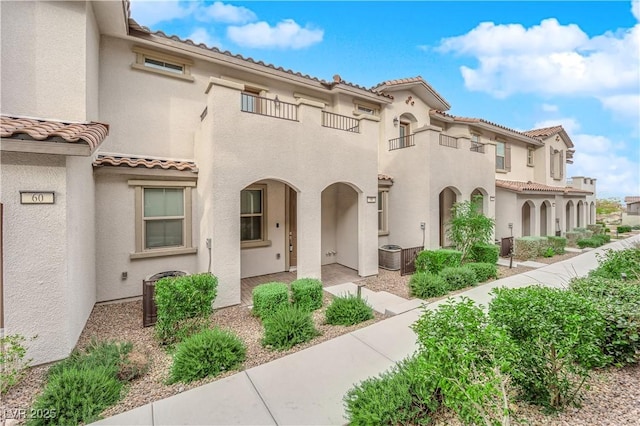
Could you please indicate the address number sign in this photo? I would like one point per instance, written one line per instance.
(37, 197)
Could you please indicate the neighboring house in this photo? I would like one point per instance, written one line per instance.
(215, 162)
(633, 205)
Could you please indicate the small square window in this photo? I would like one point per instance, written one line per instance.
(253, 216)
(383, 212)
(162, 63)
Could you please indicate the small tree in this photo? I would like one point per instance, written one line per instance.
(469, 226)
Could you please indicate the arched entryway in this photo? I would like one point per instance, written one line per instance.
(580, 215)
(479, 196)
(446, 199)
(569, 216)
(545, 218)
(527, 218)
(340, 225)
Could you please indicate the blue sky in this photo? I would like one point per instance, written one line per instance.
(520, 64)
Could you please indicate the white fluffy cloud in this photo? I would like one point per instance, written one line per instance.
(227, 13)
(286, 34)
(201, 35)
(553, 59)
(152, 12)
(635, 9)
(571, 125)
(549, 108)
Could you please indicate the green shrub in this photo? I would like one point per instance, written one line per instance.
(572, 238)
(425, 285)
(288, 327)
(13, 365)
(76, 395)
(549, 252)
(589, 242)
(530, 247)
(619, 303)
(435, 260)
(483, 271)
(485, 253)
(596, 228)
(623, 229)
(468, 226)
(558, 244)
(559, 335)
(180, 298)
(613, 263)
(348, 310)
(269, 298)
(306, 293)
(109, 355)
(398, 396)
(459, 277)
(207, 353)
(468, 358)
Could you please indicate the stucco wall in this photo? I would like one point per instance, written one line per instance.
(329, 219)
(35, 255)
(92, 65)
(44, 62)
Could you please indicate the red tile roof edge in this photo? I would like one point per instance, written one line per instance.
(520, 186)
(632, 199)
(480, 120)
(407, 80)
(382, 176)
(117, 160)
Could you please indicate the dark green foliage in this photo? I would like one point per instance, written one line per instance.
(469, 226)
(619, 303)
(467, 357)
(306, 293)
(98, 354)
(589, 242)
(613, 263)
(207, 353)
(396, 397)
(484, 253)
(483, 271)
(180, 298)
(558, 333)
(426, 284)
(269, 298)
(287, 327)
(558, 244)
(435, 260)
(530, 247)
(77, 395)
(459, 277)
(624, 228)
(548, 252)
(348, 310)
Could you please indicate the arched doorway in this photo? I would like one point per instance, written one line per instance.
(340, 225)
(568, 214)
(479, 196)
(527, 222)
(580, 215)
(446, 199)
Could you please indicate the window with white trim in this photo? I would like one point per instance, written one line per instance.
(163, 218)
(530, 153)
(365, 108)
(500, 155)
(253, 217)
(162, 63)
(383, 211)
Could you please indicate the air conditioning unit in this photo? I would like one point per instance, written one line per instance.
(389, 257)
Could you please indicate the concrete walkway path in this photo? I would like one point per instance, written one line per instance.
(306, 388)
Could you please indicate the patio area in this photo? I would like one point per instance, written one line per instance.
(332, 274)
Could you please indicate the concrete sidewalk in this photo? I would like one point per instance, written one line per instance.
(306, 388)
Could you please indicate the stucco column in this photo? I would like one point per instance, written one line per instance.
(309, 234)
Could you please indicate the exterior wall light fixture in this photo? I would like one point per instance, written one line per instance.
(396, 121)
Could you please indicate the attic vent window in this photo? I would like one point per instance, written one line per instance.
(364, 108)
(162, 63)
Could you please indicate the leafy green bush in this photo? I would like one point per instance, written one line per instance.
(589, 242)
(12, 363)
(469, 226)
(306, 293)
(348, 310)
(269, 298)
(179, 298)
(426, 284)
(549, 252)
(467, 357)
(623, 229)
(97, 354)
(483, 271)
(435, 260)
(558, 244)
(76, 395)
(459, 277)
(287, 327)
(558, 333)
(530, 247)
(398, 396)
(207, 353)
(484, 253)
(572, 238)
(619, 303)
(596, 228)
(613, 263)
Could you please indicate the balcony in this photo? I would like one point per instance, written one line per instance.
(401, 142)
(270, 107)
(340, 122)
(448, 141)
(477, 147)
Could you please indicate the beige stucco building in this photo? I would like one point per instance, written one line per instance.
(126, 153)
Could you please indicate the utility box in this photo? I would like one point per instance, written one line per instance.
(389, 257)
(506, 246)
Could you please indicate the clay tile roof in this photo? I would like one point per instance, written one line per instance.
(133, 25)
(631, 200)
(117, 160)
(35, 129)
(418, 79)
(480, 120)
(382, 176)
(544, 132)
(519, 186)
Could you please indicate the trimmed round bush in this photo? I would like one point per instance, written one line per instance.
(425, 285)
(485, 253)
(459, 277)
(435, 260)
(77, 395)
(207, 353)
(269, 298)
(348, 310)
(484, 271)
(306, 293)
(288, 327)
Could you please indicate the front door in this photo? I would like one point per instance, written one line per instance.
(292, 228)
